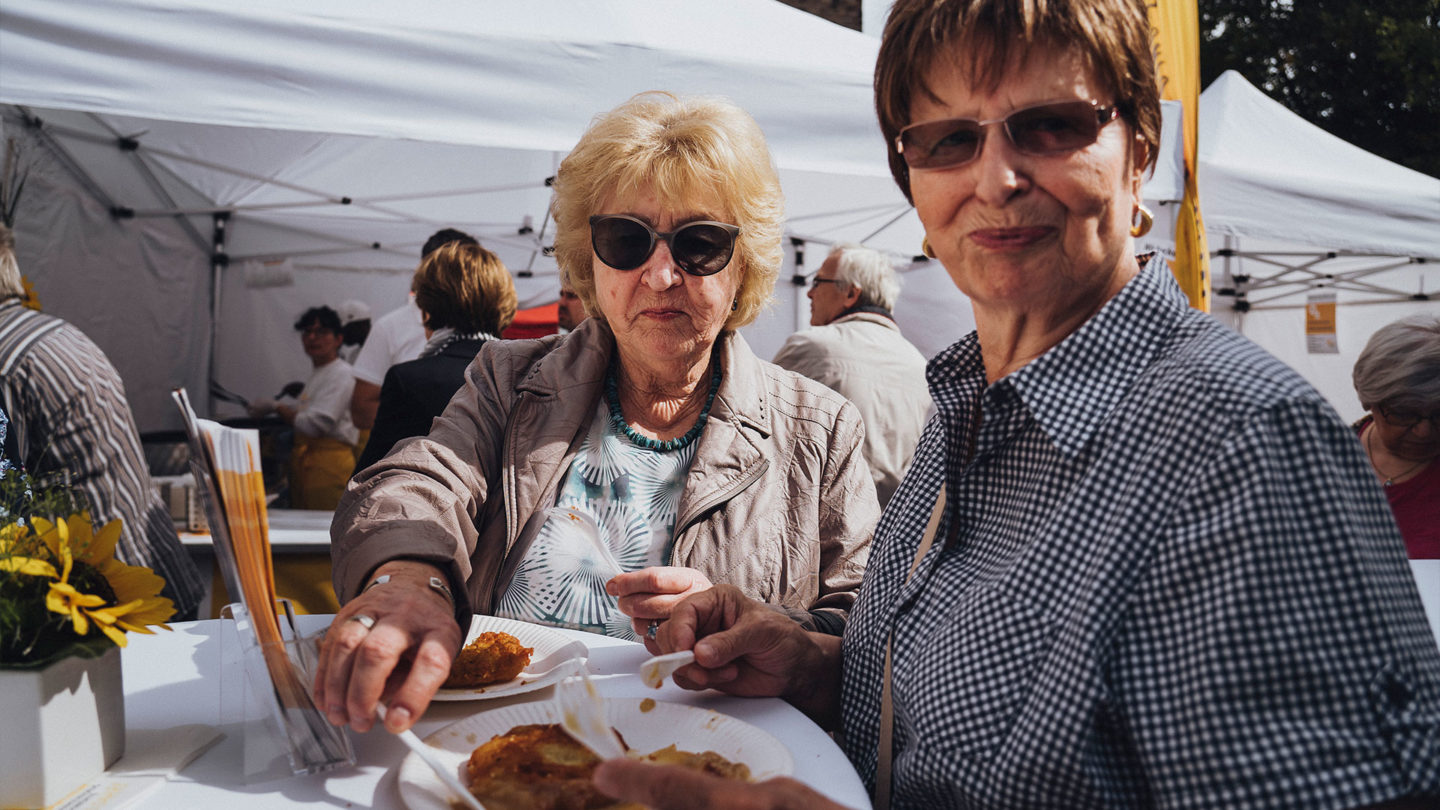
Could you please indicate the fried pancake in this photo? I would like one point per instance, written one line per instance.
(490, 658)
(535, 766)
(540, 767)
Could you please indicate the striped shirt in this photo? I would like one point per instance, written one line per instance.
(68, 412)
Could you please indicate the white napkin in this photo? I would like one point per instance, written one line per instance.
(151, 757)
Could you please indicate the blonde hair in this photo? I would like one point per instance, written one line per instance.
(465, 287)
(10, 284)
(685, 151)
(1113, 36)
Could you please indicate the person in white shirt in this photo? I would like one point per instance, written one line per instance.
(856, 349)
(397, 337)
(325, 437)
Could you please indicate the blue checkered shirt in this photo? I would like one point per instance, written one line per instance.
(1171, 580)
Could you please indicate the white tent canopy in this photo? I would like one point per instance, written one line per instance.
(1289, 210)
(336, 136)
(1268, 174)
(332, 137)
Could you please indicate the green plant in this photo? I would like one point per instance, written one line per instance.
(62, 592)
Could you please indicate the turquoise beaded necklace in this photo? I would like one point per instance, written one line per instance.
(617, 417)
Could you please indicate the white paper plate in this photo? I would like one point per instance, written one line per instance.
(687, 727)
(555, 657)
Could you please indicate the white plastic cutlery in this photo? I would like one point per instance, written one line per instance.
(655, 670)
(582, 715)
(582, 523)
(446, 775)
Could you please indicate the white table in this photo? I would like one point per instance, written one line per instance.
(292, 531)
(1427, 579)
(193, 676)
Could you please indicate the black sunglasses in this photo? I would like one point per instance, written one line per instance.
(1045, 129)
(700, 248)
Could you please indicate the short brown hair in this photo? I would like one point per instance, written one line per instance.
(683, 149)
(465, 287)
(1112, 35)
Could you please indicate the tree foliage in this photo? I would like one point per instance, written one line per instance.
(1367, 71)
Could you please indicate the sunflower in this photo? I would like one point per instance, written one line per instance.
(12, 537)
(121, 598)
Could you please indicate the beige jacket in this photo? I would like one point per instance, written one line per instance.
(864, 358)
(778, 499)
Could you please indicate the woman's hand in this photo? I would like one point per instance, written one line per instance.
(402, 658)
(650, 594)
(671, 787)
(744, 648)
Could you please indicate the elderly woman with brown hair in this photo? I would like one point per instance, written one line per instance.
(1136, 561)
(466, 297)
(695, 461)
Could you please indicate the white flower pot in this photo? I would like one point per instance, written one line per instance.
(63, 726)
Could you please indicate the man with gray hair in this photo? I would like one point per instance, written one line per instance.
(855, 348)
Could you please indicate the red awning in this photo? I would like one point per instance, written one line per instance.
(534, 322)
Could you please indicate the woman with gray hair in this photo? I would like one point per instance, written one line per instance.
(1398, 380)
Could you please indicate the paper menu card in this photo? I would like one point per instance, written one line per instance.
(226, 464)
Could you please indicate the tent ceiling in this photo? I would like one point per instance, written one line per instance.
(424, 118)
(1265, 173)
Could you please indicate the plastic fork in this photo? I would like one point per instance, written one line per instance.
(583, 523)
(446, 775)
(582, 715)
(655, 670)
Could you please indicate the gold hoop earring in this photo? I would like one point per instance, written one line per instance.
(1147, 220)
(925, 247)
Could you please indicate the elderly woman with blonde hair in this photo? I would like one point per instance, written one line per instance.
(654, 422)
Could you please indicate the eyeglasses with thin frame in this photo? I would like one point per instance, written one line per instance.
(700, 248)
(1404, 418)
(817, 281)
(1044, 129)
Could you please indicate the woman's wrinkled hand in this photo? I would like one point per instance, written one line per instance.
(403, 657)
(670, 787)
(650, 594)
(744, 648)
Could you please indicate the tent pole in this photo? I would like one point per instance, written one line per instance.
(882, 228)
(132, 146)
(799, 280)
(42, 133)
(219, 260)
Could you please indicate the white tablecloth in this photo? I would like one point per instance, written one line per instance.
(192, 675)
(291, 531)
(1427, 579)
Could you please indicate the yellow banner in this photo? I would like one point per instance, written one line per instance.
(1176, 28)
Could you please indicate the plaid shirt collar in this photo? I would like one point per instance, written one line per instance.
(1101, 360)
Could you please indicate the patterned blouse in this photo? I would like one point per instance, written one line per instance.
(1170, 580)
(632, 494)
